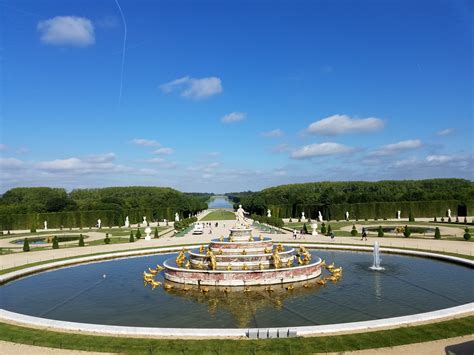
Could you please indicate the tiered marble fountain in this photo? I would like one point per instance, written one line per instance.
(242, 259)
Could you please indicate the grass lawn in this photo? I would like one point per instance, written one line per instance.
(302, 345)
(219, 215)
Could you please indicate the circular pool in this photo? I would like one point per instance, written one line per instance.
(113, 293)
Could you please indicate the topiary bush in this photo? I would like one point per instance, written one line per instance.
(305, 228)
(55, 243)
(132, 238)
(411, 218)
(465, 219)
(138, 235)
(435, 220)
(81, 240)
(33, 229)
(354, 230)
(107, 239)
(26, 245)
(380, 232)
(437, 233)
(467, 235)
(449, 219)
(406, 232)
(156, 233)
(323, 228)
(329, 229)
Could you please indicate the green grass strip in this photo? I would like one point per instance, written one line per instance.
(301, 345)
(220, 215)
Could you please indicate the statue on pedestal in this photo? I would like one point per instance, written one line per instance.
(176, 217)
(145, 223)
(99, 223)
(269, 213)
(347, 215)
(303, 218)
(45, 225)
(449, 213)
(320, 216)
(398, 214)
(127, 222)
(314, 227)
(240, 216)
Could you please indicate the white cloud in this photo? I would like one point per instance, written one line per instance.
(394, 148)
(233, 117)
(273, 133)
(87, 164)
(145, 142)
(164, 151)
(67, 30)
(9, 163)
(193, 88)
(439, 159)
(445, 132)
(343, 124)
(3, 147)
(320, 149)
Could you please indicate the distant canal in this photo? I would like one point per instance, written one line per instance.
(220, 202)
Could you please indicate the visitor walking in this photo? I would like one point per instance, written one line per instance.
(364, 234)
(294, 234)
(332, 235)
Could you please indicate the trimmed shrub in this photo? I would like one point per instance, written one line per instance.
(55, 243)
(290, 221)
(323, 228)
(81, 240)
(132, 238)
(449, 219)
(107, 239)
(465, 219)
(437, 233)
(457, 219)
(467, 235)
(406, 232)
(442, 219)
(156, 233)
(411, 218)
(305, 228)
(435, 220)
(26, 245)
(380, 232)
(138, 235)
(354, 230)
(33, 230)
(329, 229)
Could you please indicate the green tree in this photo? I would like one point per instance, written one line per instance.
(55, 243)
(156, 233)
(329, 229)
(138, 235)
(437, 234)
(380, 232)
(435, 220)
(26, 245)
(411, 218)
(406, 232)
(323, 228)
(33, 229)
(81, 240)
(107, 239)
(354, 230)
(467, 235)
(132, 238)
(305, 228)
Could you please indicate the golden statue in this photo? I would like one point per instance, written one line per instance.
(212, 259)
(280, 247)
(245, 267)
(276, 260)
(168, 286)
(153, 271)
(188, 265)
(220, 251)
(159, 268)
(267, 251)
(251, 239)
(244, 252)
(180, 259)
(155, 284)
(201, 249)
(289, 263)
(260, 266)
(221, 238)
(260, 237)
(229, 266)
(307, 255)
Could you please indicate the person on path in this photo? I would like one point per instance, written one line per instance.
(294, 234)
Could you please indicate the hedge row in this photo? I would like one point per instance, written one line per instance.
(375, 209)
(83, 219)
(272, 221)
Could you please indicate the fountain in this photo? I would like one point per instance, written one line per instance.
(242, 259)
(376, 265)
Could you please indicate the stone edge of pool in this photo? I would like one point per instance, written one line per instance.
(372, 325)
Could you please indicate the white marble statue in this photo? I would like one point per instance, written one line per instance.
(269, 213)
(347, 215)
(320, 216)
(127, 222)
(240, 216)
(303, 218)
(398, 214)
(176, 217)
(165, 221)
(449, 213)
(314, 227)
(147, 232)
(45, 225)
(99, 223)
(145, 223)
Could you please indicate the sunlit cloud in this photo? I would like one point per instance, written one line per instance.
(343, 124)
(67, 30)
(233, 117)
(194, 88)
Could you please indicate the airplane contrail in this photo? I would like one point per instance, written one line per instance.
(123, 49)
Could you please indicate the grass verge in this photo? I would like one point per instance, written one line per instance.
(219, 215)
(336, 343)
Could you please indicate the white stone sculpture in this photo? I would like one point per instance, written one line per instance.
(303, 218)
(240, 216)
(449, 213)
(99, 223)
(314, 227)
(147, 232)
(45, 225)
(127, 222)
(176, 217)
(145, 223)
(398, 214)
(347, 215)
(165, 221)
(269, 213)
(320, 216)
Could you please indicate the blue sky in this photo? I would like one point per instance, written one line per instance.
(228, 96)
